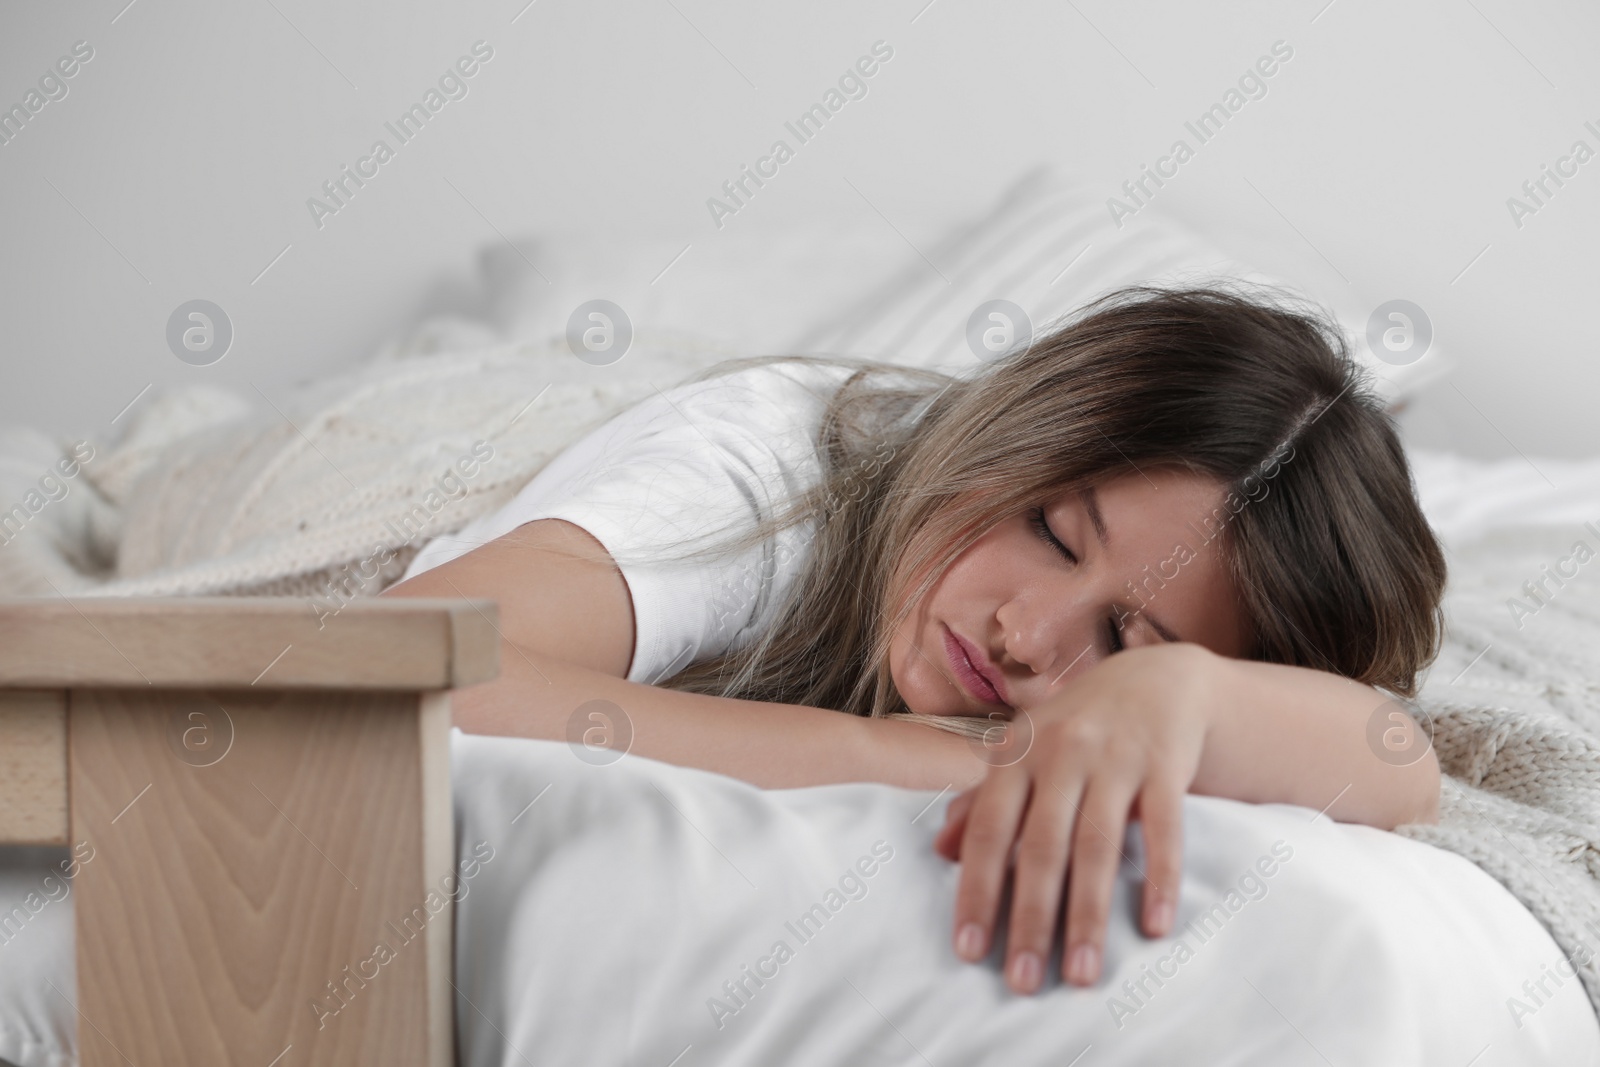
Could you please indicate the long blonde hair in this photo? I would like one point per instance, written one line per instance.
(1334, 564)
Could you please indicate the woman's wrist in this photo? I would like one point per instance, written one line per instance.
(1197, 687)
(1244, 739)
(914, 756)
(1211, 682)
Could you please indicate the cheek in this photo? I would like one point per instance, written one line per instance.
(903, 641)
(942, 600)
(955, 595)
(909, 645)
(897, 661)
(980, 573)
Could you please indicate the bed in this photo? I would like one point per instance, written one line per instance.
(279, 853)
(607, 908)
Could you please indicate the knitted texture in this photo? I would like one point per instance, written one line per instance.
(295, 496)
(1515, 706)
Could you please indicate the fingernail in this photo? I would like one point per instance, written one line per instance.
(1082, 964)
(1161, 918)
(1026, 971)
(969, 943)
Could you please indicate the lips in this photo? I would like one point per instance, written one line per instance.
(973, 670)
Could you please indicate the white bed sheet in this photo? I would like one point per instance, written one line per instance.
(620, 898)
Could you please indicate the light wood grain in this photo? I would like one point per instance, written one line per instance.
(33, 767)
(222, 903)
(408, 643)
(439, 858)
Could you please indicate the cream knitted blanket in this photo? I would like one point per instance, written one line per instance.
(1515, 703)
(208, 494)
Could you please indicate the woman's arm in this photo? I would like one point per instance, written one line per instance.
(566, 622)
(1300, 736)
(775, 746)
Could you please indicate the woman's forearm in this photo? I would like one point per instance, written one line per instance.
(1277, 734)
(770, 745)
(1300, 736)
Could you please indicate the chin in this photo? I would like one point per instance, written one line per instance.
(914, 704)
(906, 687)
(918, 692)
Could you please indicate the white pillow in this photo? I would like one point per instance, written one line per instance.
(770, 284)
(754, 288)
(614, 900)
(1048, 245)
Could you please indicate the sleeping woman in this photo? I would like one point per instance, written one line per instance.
(1171, 547)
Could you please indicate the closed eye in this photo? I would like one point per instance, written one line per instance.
(1114, 640)
(1042, 528)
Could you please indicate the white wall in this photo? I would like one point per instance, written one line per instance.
(189, 145)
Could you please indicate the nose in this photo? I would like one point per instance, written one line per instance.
(1049, 634)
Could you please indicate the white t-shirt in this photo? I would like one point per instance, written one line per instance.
(706, 458)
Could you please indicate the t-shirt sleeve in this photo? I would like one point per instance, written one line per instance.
(705, 460)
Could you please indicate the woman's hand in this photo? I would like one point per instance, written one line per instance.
(1123, 738)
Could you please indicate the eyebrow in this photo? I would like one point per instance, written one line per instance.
(1166, 634)
(1154, 624)
(1091, 504)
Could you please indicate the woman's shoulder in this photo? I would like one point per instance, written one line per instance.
(763, 403)
(776, 381)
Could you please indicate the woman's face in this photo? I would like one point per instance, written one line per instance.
(1135, 571)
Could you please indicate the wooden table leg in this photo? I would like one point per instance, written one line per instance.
(33, 767)
(270, 877)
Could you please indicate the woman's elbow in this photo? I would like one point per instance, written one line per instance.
(1423, 794)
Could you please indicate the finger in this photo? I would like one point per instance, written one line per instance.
(1042, 851)
(947, 842)
(1161, 824)
(985, 849)
(961, 805)
(1096, 853)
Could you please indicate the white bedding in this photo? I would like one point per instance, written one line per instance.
(617, 905)
(616, 900)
